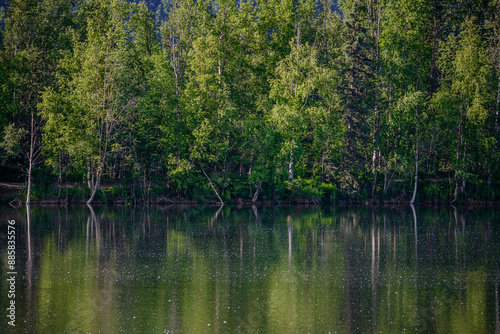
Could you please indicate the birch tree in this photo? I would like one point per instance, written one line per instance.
(466, 84)
(100, 90)
(34, 34)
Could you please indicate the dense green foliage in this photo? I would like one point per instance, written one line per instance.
(274, 100)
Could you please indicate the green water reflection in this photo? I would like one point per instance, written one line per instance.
(267, 270)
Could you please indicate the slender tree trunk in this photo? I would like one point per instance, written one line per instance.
(213, 187)
(32, 155)
(93, 191)
(94, 183)
(459, 144)
(374, 186)
(90, 176)
(28, 190)
(416, 172)
(256, 195)
(374, 156)
(375, 171)
(290, 167)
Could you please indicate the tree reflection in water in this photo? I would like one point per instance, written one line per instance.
(262, 269)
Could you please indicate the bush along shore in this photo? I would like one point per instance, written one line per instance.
(298, 192)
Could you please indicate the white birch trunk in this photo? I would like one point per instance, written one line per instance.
(416, 175)
(213, 187)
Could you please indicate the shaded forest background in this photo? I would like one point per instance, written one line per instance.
(247, 101)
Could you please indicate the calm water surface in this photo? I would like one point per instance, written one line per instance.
(266, 270)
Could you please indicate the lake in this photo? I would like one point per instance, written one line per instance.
(257, 270)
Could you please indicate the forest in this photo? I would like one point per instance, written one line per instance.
(276, 101)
